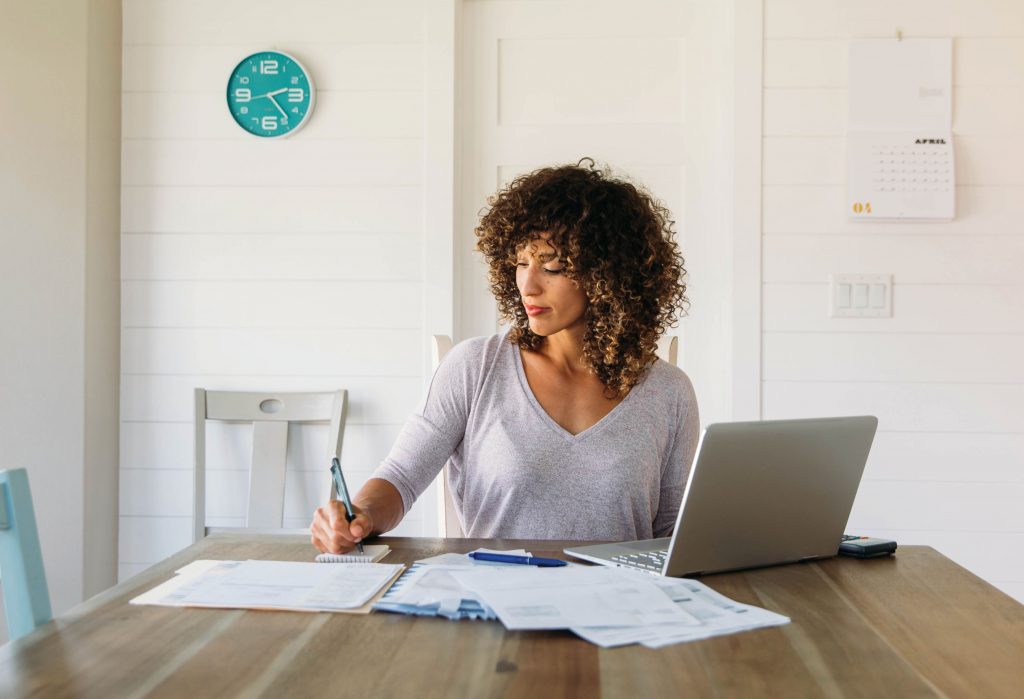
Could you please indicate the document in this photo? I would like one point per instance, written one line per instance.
(286, 585)
(463, 559)
(429, 589)
(717, 614)
(562, 598)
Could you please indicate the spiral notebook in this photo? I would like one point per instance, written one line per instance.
(371, 554)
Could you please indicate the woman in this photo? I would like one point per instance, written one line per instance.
(565, 426)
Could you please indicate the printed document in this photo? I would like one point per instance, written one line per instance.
(290, 585)
(561, 598)
(717, 614)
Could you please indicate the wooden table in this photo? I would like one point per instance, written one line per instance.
(912, 625)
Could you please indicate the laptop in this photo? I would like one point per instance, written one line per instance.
(759, 494)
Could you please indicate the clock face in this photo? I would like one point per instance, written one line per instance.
(270, 94)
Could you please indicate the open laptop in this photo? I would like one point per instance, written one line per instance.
(758, 494)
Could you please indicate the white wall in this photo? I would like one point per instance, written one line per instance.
(944, 373)
(59, 195)
(307, 263)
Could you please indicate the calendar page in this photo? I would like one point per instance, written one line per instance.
(900, 176)
(899, 130)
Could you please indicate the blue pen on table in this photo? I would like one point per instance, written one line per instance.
(339, 485)
(522, 560)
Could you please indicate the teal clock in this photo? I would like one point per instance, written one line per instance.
(271, 94)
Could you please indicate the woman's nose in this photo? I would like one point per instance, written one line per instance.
(528, 281)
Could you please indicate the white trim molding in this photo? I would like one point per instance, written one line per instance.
(746, 230)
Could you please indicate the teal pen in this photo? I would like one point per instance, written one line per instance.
(339, 485)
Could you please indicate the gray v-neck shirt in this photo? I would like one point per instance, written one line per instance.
(515, 473)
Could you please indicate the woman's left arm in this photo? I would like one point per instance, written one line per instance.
(676, 468)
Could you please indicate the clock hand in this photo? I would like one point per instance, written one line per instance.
(270, 96)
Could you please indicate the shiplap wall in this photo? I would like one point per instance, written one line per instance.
(266, 265)
(944, 374)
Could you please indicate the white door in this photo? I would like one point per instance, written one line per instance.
(551, 82)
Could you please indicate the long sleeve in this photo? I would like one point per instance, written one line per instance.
(435, 430)
(676, 469)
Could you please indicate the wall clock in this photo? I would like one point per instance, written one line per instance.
(270, 94)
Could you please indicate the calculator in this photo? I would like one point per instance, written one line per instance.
(865, 546)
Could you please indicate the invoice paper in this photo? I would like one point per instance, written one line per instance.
(281, 585)
(718, 615)
(560, 598)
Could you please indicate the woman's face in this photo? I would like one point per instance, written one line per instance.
(552, 301)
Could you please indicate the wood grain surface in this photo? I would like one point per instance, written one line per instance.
(912, 625)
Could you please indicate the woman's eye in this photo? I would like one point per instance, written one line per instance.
(554, 271)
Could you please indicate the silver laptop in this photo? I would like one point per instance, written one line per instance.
(759, 494)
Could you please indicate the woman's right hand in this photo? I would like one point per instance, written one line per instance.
(331, 532)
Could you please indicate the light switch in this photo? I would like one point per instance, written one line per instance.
(843, 298)
(876, 296)
(860, 296)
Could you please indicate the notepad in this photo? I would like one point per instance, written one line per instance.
(371, 554)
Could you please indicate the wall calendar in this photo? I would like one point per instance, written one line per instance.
(899, 144)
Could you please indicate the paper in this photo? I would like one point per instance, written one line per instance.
(163, 592)
(900, 85)
(288, 585)
(429, 588)
(716, 613)
(463, 559)
(560, 598)
(899, 130)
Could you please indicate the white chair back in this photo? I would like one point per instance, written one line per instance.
(447, 516)
(270, 414)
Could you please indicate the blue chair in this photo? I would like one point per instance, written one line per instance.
(26, 597)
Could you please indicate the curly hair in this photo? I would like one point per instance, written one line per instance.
(615, 241)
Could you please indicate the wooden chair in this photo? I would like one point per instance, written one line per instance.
(668, 349)
(26, 597)
(270, 414)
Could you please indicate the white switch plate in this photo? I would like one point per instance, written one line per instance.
(860, 296)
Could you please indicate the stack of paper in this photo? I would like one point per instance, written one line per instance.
(606, 606)
(717, 614)
(297, 586)
(429, 588)
(577, 596)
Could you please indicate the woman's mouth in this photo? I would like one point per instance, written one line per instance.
(535, 310)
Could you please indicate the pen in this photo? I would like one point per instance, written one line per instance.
(339, 485)
(524, 560)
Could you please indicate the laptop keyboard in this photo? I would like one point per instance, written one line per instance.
(645, 560)
(654, 561)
